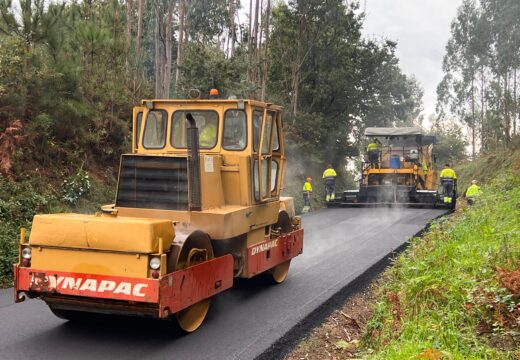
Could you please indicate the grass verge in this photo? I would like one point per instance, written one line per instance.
(451, 294)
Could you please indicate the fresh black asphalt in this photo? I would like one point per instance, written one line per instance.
(245, 322)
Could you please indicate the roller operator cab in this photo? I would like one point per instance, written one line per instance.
(198, 204)
(397, 169)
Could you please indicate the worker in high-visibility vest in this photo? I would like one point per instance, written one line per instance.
(307, 194)
(448, 180)
(208, 135)
(329, 176)
(473, 192)
(373, 151)
(424, 166)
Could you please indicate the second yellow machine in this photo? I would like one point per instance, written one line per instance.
(398, 169)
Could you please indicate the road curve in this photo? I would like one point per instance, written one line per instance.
(339, 246)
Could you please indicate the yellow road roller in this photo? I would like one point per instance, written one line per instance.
(198, 204)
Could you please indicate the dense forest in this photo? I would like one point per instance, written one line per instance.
(70, 72)
(481, 66)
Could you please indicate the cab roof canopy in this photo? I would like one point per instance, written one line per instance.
(391, 131)
(150, 103)
(401, 132)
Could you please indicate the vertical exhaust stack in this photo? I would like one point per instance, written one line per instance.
(192, 137)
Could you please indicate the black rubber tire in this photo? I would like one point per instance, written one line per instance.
(71, 315)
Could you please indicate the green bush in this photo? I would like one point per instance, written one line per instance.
(75, 187)
(8, 251)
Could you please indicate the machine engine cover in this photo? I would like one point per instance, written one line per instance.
(113, 233)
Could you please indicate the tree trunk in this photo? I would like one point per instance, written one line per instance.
(296, 67)
(250, 34)
(255, 46)
(128, 29)
(473, 123)
(180, 46)
(515, 103)
(140, 10)
(261, 29)
(187, 5)
(158, 57)
(168, 51)
(266, 51)
(483, 145)
(128, 32)
(232, 29)
(507, 118)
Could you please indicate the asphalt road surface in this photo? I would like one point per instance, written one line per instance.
(243, 322)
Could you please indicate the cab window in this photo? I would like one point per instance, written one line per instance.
(268, 188)
(267, 133)
(207, 123)
(257, 128)
(274, 175)
(155, 129)
(276, 137)
(234, 136)
(138, 122)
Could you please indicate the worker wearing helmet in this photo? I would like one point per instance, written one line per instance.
(373, 151)
(473, 192)
(213, 94)
(329, 176)
(307, 194)
(448, 181)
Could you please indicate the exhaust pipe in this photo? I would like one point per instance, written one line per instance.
(192, 137)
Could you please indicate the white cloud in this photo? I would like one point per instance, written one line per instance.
(421, 29)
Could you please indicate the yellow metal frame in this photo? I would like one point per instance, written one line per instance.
(126, 238)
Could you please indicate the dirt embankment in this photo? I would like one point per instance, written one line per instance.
(339, 337)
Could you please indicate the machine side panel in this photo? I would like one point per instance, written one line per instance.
(266, 255)
(183, 288)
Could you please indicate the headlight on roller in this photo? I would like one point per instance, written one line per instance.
(26, 253)
(155, 263)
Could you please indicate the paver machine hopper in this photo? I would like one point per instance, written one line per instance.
(398, 169)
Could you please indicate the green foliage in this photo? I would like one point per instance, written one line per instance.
(424, 301)
(8, 251)
(207, 67)
(75, 187)
(481, 64)
(19, 202)
(207, 19)
(451, 144)
(63, 74)
(488, 166)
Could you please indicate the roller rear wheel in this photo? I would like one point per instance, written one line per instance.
(279, 273)
(195, 249)
(70, 315)
(284, 226)
(191, 318)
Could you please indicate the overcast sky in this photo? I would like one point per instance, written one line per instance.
(421, 29)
